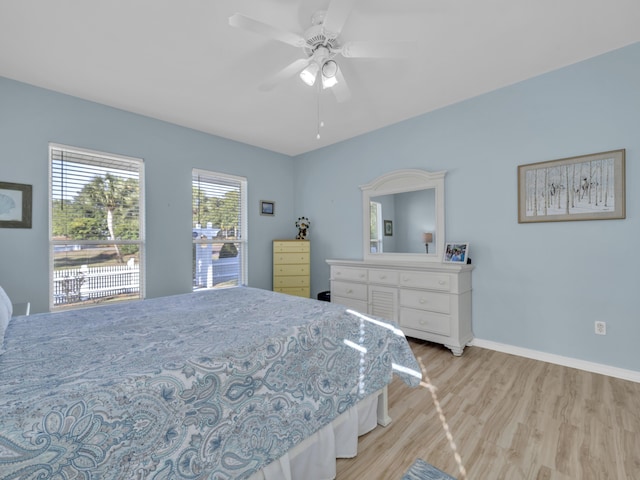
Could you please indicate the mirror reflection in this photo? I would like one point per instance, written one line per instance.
(403, 222)
(403, 217)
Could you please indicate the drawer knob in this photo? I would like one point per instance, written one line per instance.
(442, 282)
(423, 301)
(349, 290)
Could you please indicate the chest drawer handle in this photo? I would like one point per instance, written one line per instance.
(349, 290)
(423, 301)
(442, 282)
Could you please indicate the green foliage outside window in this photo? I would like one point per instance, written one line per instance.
(106, 208)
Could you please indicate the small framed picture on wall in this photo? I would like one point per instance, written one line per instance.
(267, 207)
(388, 228)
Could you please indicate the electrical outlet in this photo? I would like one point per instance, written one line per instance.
(601, 328)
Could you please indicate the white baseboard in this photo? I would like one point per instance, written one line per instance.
(631, 375)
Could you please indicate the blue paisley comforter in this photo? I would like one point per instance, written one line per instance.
(209, 385)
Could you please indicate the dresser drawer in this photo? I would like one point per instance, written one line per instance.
(291, 246)
(430, 281)
(291, 281)
(290, 258)
(291, 269)
(383, 277)
(349, 273)
(356, 291)
(297, 291)
(425, 321)
(434, 302)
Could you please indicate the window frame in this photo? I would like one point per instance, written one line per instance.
(243, 239)
(378, 241)
(141, 242)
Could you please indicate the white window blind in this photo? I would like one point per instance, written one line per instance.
(219, 229)
(96, 227)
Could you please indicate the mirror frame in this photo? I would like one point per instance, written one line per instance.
(399, 181)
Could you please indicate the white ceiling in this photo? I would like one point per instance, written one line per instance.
(180, 61)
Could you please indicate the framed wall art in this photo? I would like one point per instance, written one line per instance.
(267, 207)
(588, 187)
(388, 228)
(15, 205)
(456, 253)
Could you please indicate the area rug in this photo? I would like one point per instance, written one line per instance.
(421, 470)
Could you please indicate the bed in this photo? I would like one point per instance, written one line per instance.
(217, 384)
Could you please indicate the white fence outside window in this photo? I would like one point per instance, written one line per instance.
(75, 285)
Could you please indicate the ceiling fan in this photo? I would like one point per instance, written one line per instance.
(322, 44)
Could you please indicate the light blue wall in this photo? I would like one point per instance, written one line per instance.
(538, 286)
(31, 117)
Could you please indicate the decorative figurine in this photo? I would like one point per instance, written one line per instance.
(303, 225)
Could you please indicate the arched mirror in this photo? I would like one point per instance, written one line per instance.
(403, 217)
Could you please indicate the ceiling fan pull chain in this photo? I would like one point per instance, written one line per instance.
(320, 122)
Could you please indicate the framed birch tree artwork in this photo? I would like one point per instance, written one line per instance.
(588, 187)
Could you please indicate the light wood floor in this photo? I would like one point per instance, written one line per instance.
(511, 418)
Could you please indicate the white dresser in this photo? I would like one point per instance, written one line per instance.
(431, 302)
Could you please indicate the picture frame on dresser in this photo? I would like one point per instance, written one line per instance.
(456, 253)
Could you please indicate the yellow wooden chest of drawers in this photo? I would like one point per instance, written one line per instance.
(291, 267)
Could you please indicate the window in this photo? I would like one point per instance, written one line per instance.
(376, 227)
(96, 232)
(219, 230)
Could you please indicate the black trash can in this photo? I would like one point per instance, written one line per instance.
(324, 296)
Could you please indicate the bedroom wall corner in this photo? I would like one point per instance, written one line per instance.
(32, 117)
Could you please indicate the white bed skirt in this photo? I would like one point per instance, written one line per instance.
(315, 457)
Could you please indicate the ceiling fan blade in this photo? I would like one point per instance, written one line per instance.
(336, 16)
(341, 89)
(256, 26)
(398, 49)
(288, 71)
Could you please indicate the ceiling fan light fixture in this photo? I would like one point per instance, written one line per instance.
(328, 82)
(329, 71)
(329, 68)
(309, 74)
